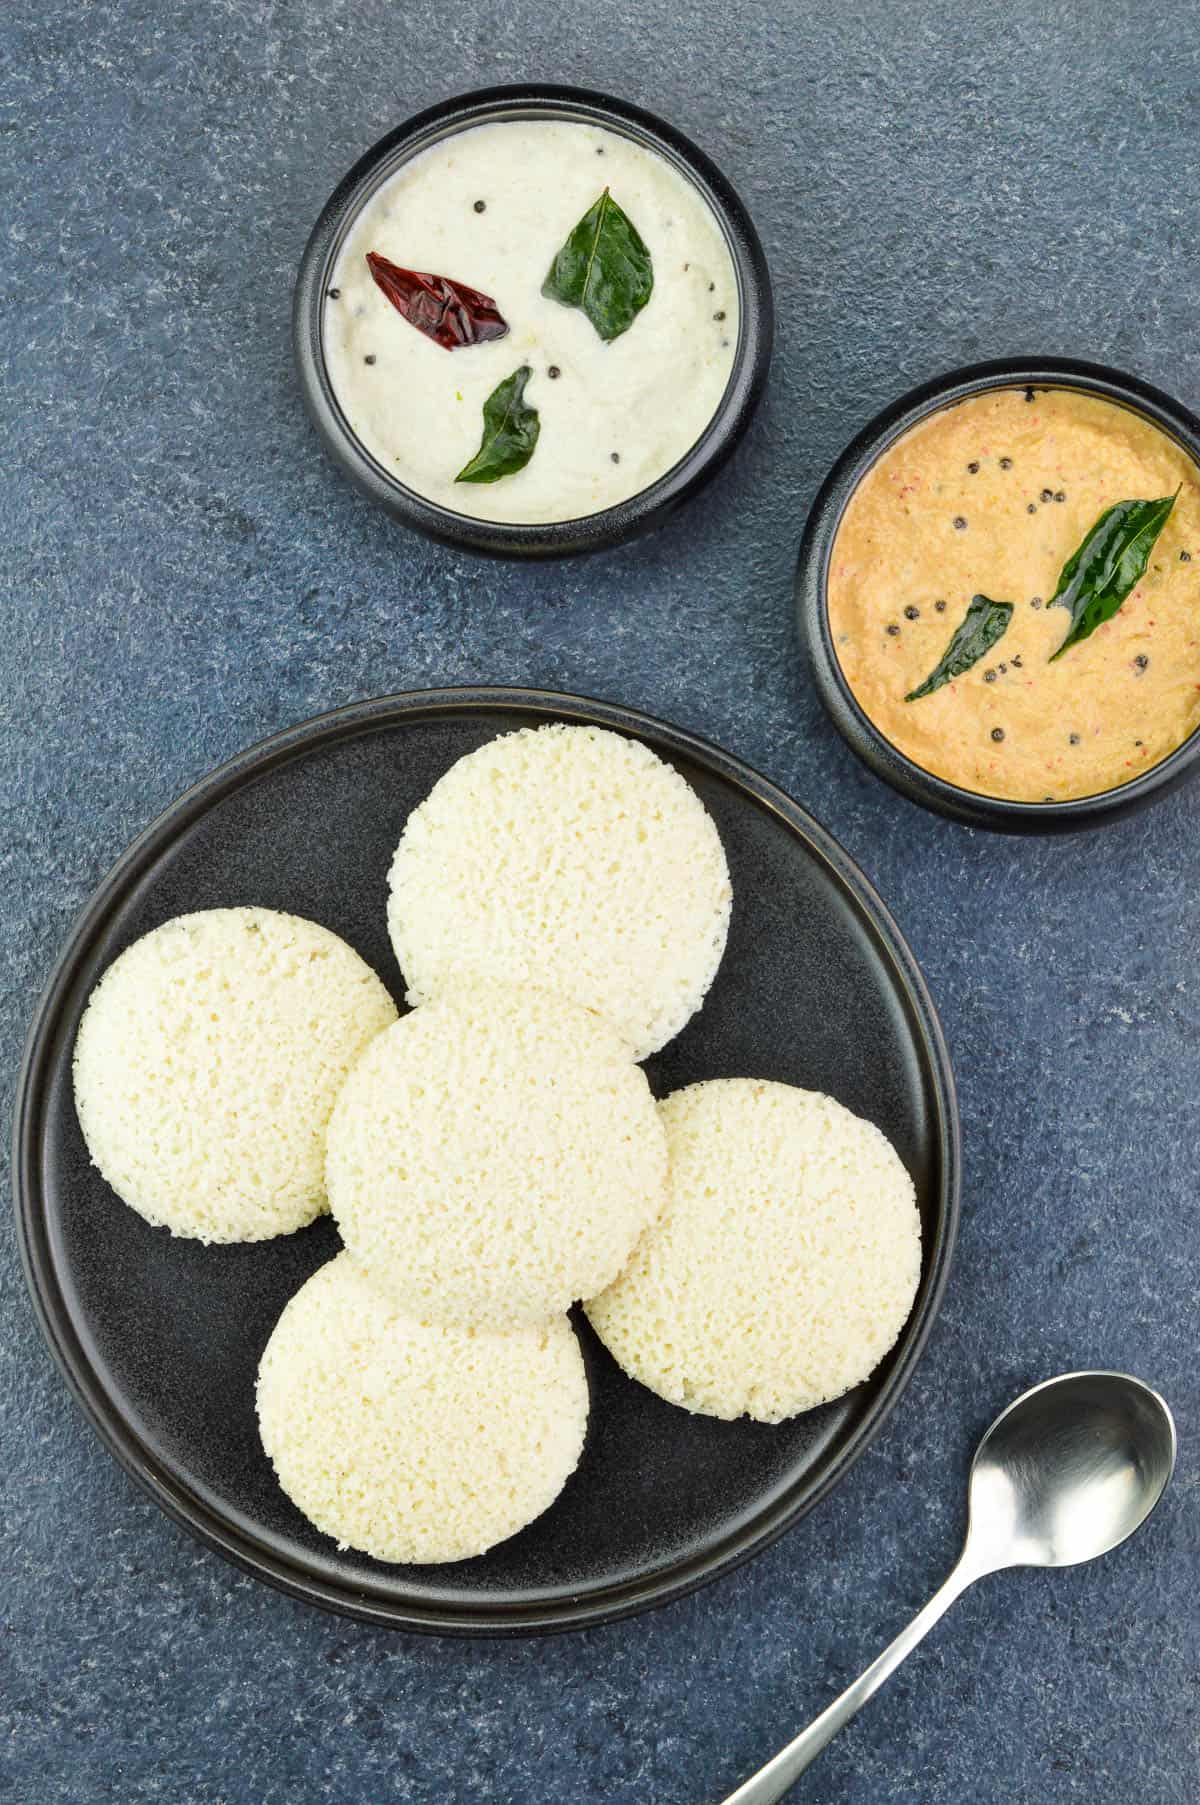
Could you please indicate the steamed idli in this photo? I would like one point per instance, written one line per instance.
(494, 1156)
(207, 1062)
(784, 1265)
(569, 858)
(414, 1441)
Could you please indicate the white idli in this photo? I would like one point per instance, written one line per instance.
(414, 1441)
(207, 1063)
(494, 1156)
(784, 1265)
(569, 858)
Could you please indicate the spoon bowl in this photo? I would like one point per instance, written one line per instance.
(1068, 1472)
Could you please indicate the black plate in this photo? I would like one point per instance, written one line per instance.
(160, 1338)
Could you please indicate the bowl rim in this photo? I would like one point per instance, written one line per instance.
(811, 592)
(221, 1530)
(588, 532)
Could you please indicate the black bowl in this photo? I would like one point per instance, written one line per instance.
(591, 532)
(159, 1338)
(812, 570)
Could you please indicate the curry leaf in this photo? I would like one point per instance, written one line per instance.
(983, 624)
(1097, 578)
(604, 268)
(510, 432)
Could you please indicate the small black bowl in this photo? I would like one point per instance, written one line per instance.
(813, 616)
(591, 532)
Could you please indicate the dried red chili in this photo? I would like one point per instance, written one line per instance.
(448, 312)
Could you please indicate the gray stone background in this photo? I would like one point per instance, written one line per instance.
(184, 572)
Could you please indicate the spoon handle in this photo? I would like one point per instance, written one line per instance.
(772, 1781)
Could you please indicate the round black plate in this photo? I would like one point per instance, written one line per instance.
(160, 1338)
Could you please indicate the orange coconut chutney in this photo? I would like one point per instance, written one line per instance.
(991, 496)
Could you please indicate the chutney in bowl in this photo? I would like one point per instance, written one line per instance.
(1000, 585)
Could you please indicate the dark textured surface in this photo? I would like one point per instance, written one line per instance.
(184, 572)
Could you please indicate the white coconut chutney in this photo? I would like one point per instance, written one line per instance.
(616, 416)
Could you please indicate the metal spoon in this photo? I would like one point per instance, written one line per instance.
(1067, 1472)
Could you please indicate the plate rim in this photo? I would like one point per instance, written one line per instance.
(153, 1474)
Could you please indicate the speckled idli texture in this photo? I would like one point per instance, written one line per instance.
(785, 1263)
(494, 1156)
(573, 859)
(416, 1441)
(208, 1061)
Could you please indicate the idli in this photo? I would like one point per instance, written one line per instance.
(573, 859)
(207, 1062)
(784, 1265)
(494, 1156)
(414, 1441)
